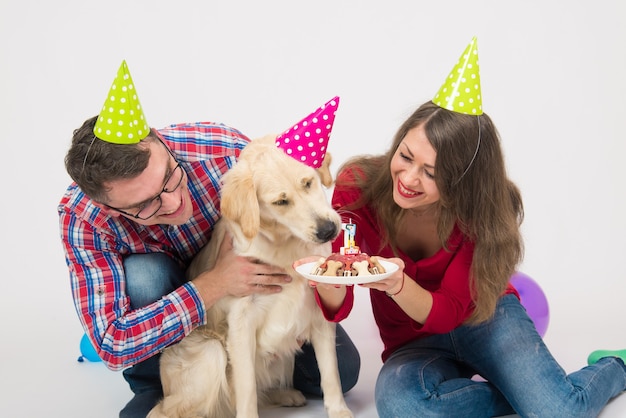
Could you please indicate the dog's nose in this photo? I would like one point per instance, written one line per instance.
(326, 230)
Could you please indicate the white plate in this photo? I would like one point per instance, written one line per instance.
(305, 270)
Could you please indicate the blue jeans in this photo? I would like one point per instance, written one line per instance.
(151, 276)
(431, 377)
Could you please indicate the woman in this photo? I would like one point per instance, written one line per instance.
(439, 205)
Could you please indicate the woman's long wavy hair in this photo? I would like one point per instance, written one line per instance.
(93, 163)
(475, 194)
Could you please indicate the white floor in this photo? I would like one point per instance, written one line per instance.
(42, 377)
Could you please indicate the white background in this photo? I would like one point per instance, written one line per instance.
(552, 79)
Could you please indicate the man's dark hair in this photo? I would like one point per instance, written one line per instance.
(93, 163)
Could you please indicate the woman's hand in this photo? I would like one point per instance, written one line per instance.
(412, 298)
(306, 260)
(331, 295)
(394, 283)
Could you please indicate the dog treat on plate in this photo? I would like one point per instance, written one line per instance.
(332, 268)
(347, 265)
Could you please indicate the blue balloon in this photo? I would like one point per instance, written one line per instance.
(534, 300)
(87, 350)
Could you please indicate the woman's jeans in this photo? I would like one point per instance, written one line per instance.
(432, 377)
(151, 276)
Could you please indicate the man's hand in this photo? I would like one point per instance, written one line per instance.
(238, 276)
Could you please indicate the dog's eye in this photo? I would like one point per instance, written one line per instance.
(281, 202)
(306, 183)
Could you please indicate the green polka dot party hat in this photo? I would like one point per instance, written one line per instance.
(461, 91)
(121, 120)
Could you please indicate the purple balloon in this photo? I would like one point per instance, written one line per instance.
(533, 299)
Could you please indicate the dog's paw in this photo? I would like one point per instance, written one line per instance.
(340, 413)
(286, 397)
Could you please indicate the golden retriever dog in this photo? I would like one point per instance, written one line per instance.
(276, 210)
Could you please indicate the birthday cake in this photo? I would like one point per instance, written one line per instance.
(336, 264)
(350, 261)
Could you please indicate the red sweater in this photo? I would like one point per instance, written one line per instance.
(445, 275)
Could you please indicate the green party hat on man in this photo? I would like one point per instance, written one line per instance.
(121, 119)
(461, 91)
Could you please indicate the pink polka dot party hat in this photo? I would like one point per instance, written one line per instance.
(307, 140)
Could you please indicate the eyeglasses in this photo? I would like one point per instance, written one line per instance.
(150, 208)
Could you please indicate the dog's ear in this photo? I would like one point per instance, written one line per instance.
(324, 171)
(239, 201)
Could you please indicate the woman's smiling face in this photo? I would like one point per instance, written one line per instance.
(413, 171)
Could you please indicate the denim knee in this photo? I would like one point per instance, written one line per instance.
(306, 377)
(151, 276)
(392, 397)
(409, 385)
(349, 360)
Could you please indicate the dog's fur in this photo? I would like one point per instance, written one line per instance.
(276, 210)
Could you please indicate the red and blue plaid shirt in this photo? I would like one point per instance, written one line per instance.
(95, 245)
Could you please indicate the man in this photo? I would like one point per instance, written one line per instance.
(142, 204)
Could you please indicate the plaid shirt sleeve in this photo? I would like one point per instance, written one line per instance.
(95, 245)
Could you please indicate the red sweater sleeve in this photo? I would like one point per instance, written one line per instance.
(343, 311)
